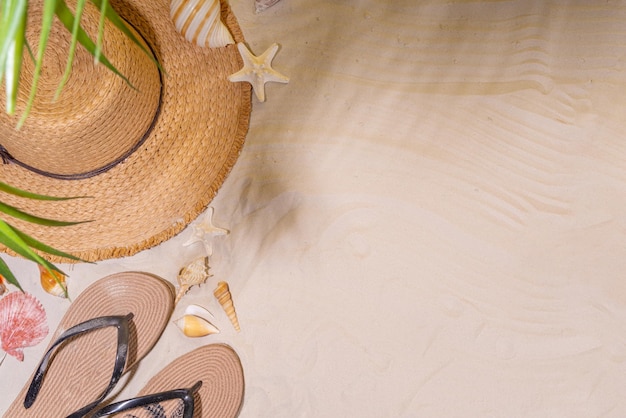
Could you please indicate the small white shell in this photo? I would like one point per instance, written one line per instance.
(199, 311)
(194, 323)
(260, 5)
(199, 21)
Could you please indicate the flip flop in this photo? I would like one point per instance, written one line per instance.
(207, 382)
(110, 326)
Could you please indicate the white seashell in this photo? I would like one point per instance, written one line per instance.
(195, 273)
(199, 21)
(260, 5)
(195, 324)
(198, 311)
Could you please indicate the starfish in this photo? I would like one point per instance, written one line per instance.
(258, 70)
(202, 229)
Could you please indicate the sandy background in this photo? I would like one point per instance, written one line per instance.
(428, 220)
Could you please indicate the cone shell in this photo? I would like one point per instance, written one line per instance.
(195, 273)
(195, 322)
(200, 22)
(53, 283)
(22, 323)
(222, 293)
(194, 326)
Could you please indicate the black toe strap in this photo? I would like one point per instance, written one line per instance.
(186, 395)
(119, 322)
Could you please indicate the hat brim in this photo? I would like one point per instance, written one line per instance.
(171, 178)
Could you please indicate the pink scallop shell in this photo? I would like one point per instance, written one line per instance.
(261, 5)
(22, 323)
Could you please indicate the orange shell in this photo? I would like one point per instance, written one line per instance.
(54, 283)
(22, 323)
(3, 285)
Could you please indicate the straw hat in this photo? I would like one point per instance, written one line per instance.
(150, 158)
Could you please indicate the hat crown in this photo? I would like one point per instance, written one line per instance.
(99, 118)
(197, 134)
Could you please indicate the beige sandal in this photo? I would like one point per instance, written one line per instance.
(110, 326)
(207, 382)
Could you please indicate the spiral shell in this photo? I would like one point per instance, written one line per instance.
(22, 323)
(222, 293)
(53, 283)
(195, 322)
(199, 21)
(195, 273)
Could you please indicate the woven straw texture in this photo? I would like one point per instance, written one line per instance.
(170, 179)
(99, 118)
(219, 369)
(82, 367)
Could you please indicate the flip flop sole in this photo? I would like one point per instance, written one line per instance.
(222, 390)
(82, 367)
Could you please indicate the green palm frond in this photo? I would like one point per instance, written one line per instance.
(22, 243)
(11, 239)
(80, 6)
(23, 193)
(13, 20)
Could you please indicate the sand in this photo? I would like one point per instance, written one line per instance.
(428, 220)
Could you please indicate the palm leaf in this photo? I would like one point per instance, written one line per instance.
(49, 7)
(80, 6)
(10, 22)
(9, 25)
(103, 10)
(11, 239)
(23, 193)
(6, 272)
(13, 16)
(119, 23)
(38, 245)
(19, 214)
(13, 62)
(29, 50)
(67, 18)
